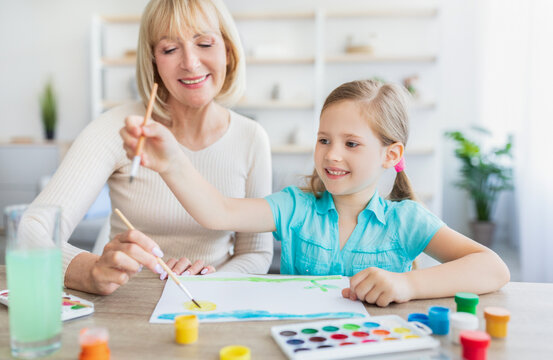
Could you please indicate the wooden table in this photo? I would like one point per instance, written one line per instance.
(126, 314)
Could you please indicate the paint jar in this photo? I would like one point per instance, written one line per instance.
(438, 320)
(496, 321)
(466, 302)
(186, 329)
(461, 321)
(420, 317)
(475, 344)
(235, 352)
(94, 344)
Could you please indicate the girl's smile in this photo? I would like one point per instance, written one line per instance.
(335, 173)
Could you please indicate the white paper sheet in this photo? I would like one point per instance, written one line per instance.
(243, 297)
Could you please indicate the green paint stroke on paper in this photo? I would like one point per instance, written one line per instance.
(261, 279)
(323, 287)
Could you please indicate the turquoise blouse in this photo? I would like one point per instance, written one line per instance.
(388, 234)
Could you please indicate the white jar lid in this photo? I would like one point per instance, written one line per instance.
(464, 320)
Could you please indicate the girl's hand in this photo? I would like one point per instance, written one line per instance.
(183, 266)
(160, 146)
(122, 258)
(380, 287)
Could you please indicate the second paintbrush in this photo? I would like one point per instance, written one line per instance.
(160, 262)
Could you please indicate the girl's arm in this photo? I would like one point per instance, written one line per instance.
(202, 200)
(253, 252)
(466, 266)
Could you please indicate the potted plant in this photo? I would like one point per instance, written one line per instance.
(48, 110)
(484, 175)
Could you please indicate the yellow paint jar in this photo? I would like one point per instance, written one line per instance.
(496, 321)
(235, 352)
(186, 329)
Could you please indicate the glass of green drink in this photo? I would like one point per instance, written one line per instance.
(34, 274)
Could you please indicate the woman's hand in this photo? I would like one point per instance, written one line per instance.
(183, 266)
(122, 258)
(160, 146)
(380, 287)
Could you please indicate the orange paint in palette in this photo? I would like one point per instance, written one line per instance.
(354, 337)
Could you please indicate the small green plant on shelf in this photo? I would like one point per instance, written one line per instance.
(48, 109)
(484, 175)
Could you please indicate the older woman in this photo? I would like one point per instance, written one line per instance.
(192, 50)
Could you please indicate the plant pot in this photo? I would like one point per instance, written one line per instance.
(50, 134)
(483, 231)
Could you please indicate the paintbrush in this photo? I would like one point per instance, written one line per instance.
(136, 159)
(161, 262)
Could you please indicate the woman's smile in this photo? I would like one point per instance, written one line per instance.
(194, 82)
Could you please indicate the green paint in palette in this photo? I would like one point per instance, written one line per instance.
(345, 338)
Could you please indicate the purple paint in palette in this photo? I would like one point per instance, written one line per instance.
(331, 339)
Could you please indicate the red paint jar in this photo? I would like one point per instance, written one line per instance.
(475, 344)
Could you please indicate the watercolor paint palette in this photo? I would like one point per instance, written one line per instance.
(72, 306)
(340, 339)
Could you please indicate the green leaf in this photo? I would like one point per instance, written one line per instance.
(483, 175)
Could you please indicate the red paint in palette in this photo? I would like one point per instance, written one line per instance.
(360, 334)
(339, 336)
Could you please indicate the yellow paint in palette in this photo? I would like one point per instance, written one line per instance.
(205, 306)
(355, 337)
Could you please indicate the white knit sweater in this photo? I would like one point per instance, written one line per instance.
(238, 164)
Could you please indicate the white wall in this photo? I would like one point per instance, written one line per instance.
(38, 41)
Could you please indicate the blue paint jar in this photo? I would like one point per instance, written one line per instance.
(438, 318)
(420, 317)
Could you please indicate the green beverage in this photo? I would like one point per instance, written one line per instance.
(34, 274)
(35, 283)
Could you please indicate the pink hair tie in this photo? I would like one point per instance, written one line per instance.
(400, 166)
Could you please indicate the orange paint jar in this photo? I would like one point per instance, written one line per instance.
(496, 321)
(94, 344)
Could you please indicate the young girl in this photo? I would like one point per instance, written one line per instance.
(341, 225)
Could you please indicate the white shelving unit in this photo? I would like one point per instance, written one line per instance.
(310, 64)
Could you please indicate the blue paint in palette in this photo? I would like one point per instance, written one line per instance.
(345, 338)
(261, 315)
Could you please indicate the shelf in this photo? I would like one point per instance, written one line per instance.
(120, 19)
(121, 61)
(367, 58)
(274, 15)
(284, 61)
(385, 13)
(274, 105)
(304, 149)
(263, 15)
(292, 149)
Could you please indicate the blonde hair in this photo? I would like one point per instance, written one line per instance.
(172, 18)
(385, 106)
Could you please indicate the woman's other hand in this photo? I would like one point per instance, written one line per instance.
(183, 266)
